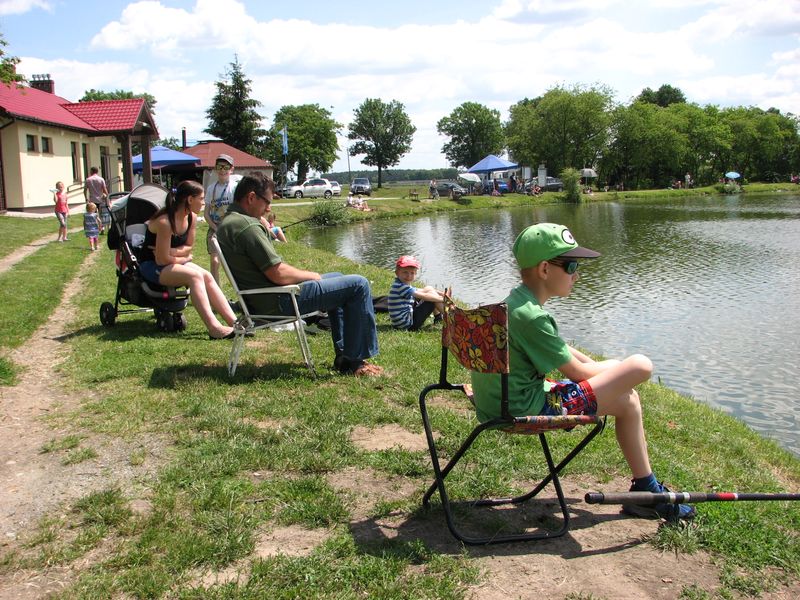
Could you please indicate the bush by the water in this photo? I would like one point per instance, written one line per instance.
(328, 213)
(571, 179)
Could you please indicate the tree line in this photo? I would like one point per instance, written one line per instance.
(654, 140)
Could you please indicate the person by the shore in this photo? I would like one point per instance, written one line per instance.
(548, 258)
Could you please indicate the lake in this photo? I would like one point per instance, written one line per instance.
(708, 288)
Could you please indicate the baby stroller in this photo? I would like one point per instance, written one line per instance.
(126, 236)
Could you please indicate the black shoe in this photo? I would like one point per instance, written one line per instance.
(235, 306)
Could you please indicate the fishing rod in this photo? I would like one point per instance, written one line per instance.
(651, 498)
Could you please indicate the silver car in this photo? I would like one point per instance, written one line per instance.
(312, 188)
(336, 188)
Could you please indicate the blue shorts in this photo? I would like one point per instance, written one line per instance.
(569, 398)
(151, 271)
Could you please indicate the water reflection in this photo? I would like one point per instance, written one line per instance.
(708, 288)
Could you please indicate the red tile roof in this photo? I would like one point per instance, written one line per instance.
(109, 115)
(99, 116)
(207, 152)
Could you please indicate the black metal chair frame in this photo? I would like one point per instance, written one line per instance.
(504, 421)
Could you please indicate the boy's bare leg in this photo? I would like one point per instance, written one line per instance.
(613, 390)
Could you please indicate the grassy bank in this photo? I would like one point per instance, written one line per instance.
(223, 461)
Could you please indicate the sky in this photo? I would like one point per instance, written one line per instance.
(431, 56)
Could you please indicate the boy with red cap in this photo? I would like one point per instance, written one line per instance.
(548, 255)
(409, 307)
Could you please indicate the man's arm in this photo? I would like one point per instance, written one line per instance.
(285, 274)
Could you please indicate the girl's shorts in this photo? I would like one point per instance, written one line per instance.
(569, 398)
(62, 219)
(150, 270)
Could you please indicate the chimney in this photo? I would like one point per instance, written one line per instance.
(43, 83)
(183, 138)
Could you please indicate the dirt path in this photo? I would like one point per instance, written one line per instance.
(32, 483)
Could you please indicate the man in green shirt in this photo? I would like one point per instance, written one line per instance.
(547, 255)
(248, 250)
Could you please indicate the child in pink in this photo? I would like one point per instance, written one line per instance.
(62, 210)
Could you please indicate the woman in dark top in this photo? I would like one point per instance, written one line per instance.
(167, 257)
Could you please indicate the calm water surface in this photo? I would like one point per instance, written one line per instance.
(708, 288)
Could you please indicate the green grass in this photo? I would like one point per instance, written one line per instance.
(18, 231)
(31, 289)
(255, 453)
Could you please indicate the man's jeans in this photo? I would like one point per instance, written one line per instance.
(348, 301)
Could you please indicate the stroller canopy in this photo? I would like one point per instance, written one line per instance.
(134, 208)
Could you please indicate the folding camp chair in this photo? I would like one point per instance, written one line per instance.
(478, 340)
(249, 323)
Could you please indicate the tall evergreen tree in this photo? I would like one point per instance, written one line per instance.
(383, 132)
(232, 116)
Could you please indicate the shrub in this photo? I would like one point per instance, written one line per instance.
(571, 178)
(329, 213)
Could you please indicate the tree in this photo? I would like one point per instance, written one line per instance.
(383, 133)
(8, 66)
(311, 135)
(232, 116)
(93, 95)
(474, 130)
(171, 142)
(563, 128)
(665, 96)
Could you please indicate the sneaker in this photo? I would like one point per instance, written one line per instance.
(437, 318)
(669, 512)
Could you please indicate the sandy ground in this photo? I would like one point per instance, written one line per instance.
(605, 554)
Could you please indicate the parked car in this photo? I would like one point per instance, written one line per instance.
(361, 185)
(312, 188)
(285, 190)
(448, 189)
(488, 186)
(336, 188)
(553, 184)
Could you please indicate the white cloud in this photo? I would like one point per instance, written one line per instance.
(18, 7)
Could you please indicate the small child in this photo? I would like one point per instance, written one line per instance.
(409, 307)
(91, 224)
(275, 232)
(62, 210)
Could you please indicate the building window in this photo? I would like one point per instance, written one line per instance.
(31, 142)
(47, 145)
(76, 162)
(85, 161)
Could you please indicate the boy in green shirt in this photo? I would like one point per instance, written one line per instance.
(547, 255)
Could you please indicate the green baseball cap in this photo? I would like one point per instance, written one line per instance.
(546, 241)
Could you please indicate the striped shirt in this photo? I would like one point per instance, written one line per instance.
(401, 304)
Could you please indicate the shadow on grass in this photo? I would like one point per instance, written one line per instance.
(167, 377)
(379, 535)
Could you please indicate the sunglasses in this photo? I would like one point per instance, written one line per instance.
(221, 167)
(570, 266)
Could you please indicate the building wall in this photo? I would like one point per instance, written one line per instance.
(30, 175)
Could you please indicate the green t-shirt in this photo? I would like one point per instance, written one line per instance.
(249, 251)
(534, 348)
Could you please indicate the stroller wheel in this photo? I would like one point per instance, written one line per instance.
(165, 322)
(179, 321)
(108, 314)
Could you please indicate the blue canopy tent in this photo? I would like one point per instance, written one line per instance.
(492, 163)
(161, 156)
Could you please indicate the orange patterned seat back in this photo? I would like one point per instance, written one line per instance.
(477, 337)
